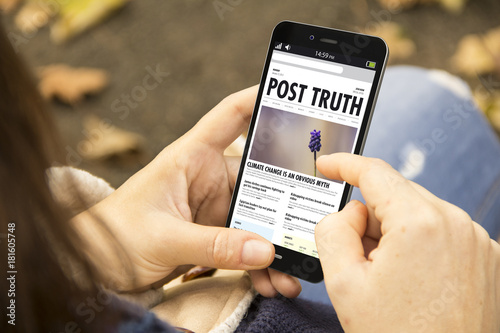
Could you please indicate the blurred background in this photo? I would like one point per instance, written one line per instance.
(142, 73)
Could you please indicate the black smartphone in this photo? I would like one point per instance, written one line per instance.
(316, 97)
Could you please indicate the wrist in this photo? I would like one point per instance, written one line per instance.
(104, 253)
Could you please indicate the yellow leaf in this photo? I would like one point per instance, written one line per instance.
(488, 101)
(492, 43)
(32, 16)
(8, 5)
(453, 6)
(397, 5)
(78, 15)
(106, 140)
(494, 113)
(69, 84)
(472, 57)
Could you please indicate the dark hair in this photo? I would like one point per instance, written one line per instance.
(45, 295)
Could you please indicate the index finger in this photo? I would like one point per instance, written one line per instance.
(227, 120)
(381, 186)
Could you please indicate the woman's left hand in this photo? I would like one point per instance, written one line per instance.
(152, 214)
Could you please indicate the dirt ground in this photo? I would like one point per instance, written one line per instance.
(210, 54)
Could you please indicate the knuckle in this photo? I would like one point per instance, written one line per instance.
(325, 231)
(440, 219)
(321, 227)
(233, 101)
(495, 248)
(378, 168)
(458, 221)
(459, 216)
(430, 220)
(338, 285)
(221, 252)
(482, 236)
(233, 104)
(379, 163)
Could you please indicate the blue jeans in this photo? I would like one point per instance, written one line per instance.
(428, 128)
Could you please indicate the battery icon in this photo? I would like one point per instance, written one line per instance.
(370, 64)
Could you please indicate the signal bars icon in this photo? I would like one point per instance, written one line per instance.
(280, 45)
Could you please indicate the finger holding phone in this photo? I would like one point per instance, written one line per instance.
(172, 212)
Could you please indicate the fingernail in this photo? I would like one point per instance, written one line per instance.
(351, 204)
(256, 253)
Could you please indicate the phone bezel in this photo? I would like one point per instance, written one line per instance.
(370, 47)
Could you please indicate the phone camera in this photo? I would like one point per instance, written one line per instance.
(311, 37)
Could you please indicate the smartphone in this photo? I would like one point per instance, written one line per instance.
(316, 97)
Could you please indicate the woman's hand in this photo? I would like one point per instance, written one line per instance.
(406, 261)
(152, 214)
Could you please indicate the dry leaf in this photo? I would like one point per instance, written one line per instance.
(492, 43)
(32, 16)
(472, 57)
(397, 5)
(478, 55)
(105, 140)
(400, 46)
(74, 16)
(494, 113)
(78, 15)
(69, 84)
(8, 5)
(488, 101)
(482, 100)
(453, 6)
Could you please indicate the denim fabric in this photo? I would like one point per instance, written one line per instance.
(428, 128)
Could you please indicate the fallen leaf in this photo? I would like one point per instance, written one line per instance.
(482, 100)
(70, 84)
(492, 43)
(8, 5)
(400, 46)
(106, 140)
(478, 54)
(488, 101)
(472, 58)
(453, 6)
(33, 15)
(494, 114)
(75, 16)
(397, 5)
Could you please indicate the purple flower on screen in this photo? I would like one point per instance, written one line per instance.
(315, 142)
(315, 145)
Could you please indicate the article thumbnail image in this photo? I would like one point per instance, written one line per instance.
(284, 139)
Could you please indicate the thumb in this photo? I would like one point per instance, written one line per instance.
(220, 247)
(338, 238)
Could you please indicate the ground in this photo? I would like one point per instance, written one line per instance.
(209, 54)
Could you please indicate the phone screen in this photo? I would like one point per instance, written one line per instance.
(312, 101)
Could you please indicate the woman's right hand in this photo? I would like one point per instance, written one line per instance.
(406, 261)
